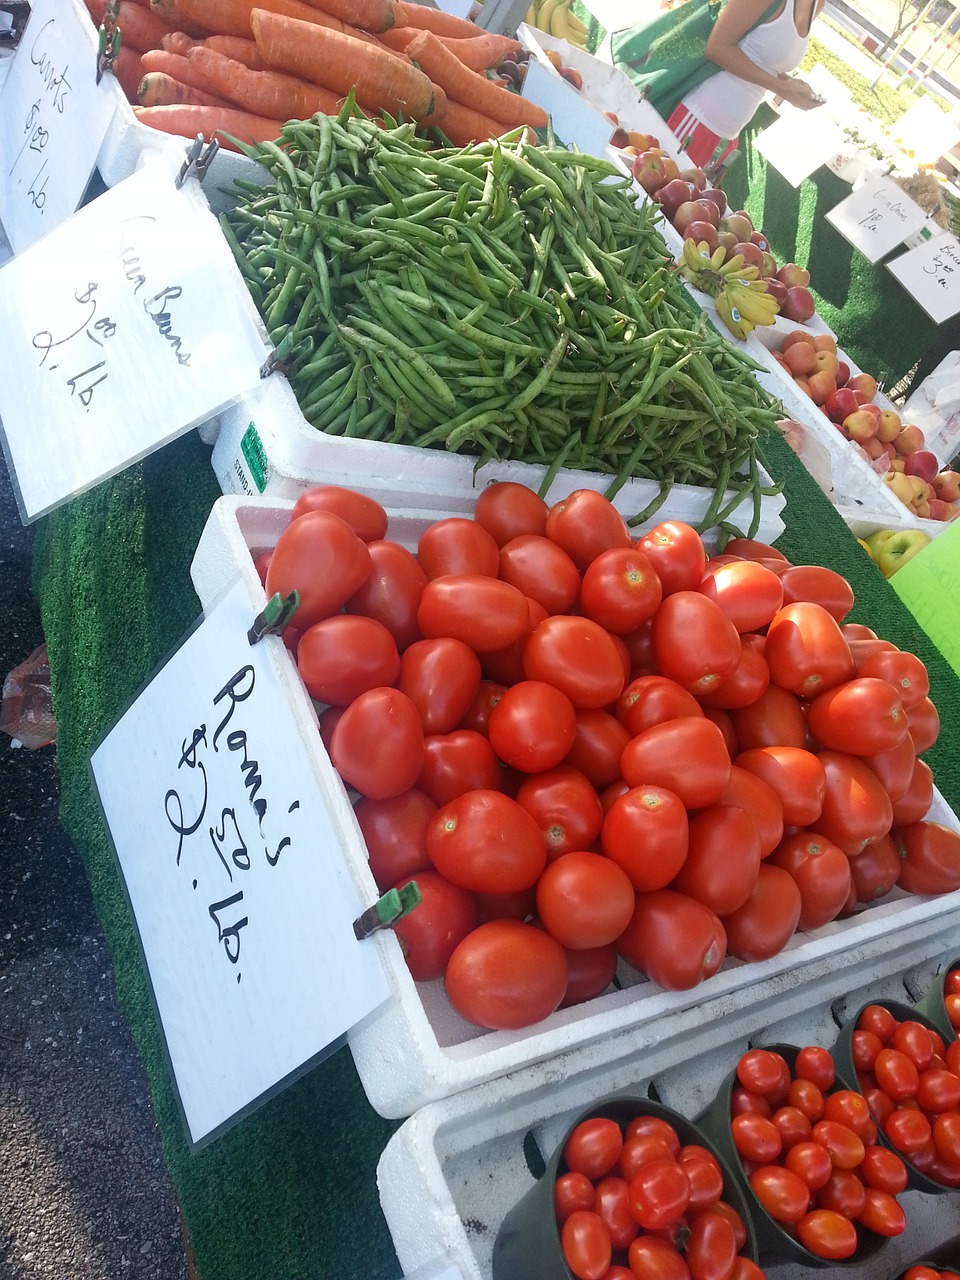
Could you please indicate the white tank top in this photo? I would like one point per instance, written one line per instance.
(725, 103)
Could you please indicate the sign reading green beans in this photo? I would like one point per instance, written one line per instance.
(507, 300)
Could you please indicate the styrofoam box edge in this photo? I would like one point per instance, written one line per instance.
(266, 447)
(400, 1060)
(451, 1172)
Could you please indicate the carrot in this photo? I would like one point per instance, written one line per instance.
(370, 15)
(462, 125)
(237, 48)
(175, 65)
(140, 28)
(436, 20)
(232, 17)
(398, 38)
(165, 10)
(382, 80)
(176, 42)
(226, 122)
(264, 93)
(469, 88)
(157, 89)
(128, 72)
(483, 52)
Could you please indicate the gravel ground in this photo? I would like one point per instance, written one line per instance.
(84, 1192)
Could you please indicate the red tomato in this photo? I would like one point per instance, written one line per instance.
(377, 744)
(706, 1181)
(751, 549)
(320, 557)
(882, 1214)
(431, 931)
(659, 1193)
(875, 869)
(611, 1202)
(505, 975)
(532, 726)
(652, 699)
(365, 516)
(507, 906)
(909, 1131)
(808, 1098)
(845, 1147)
(584, 900)
(775, 720)
(822, 873)
(763, 926)
(711, 1247)
(640, 1150)
(441, 677)
(883, 1169)
(586, 1245)
(916, 1041)
(762, 1070)
(654, 1258)
(577, 656)
(457, 762)
(755, 1138)
(676, 941)
(694, 642)
(395, 833)
(565, 806)
(743, 1100)
(542, 571)
(793, 1124)
(794, 774)
(864, 1047)
(507, 510)
(749, 791)
(676, 553)
(747, 593)
(825, 587)
(938, 1090)
(849, 1108)
(598, 744)
(843, 1193)
(484, 841)
(589, 973)
(878, 1019)
(904, 671)
(896, 1075)
(571, 1191)
(620, 589)
(746, 683)
(687, 756)
(856, 809)
(924, 722)
(784, 1195)
(723, 858)
(914, 804)
(827, 1234)
(593, 1147)
(810, 1162)
(458, 545)
(505, 665)
(646, 832)
(261, 563)
(485, 613)
(644, 1126)
(946, 1135)
(861, 716)
(806, 650)
(391, 593)
(815, 1064)
(895, 768)
(584, 524)
(341, 657)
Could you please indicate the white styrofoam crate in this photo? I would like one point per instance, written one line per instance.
(420, 1050)
(451, 1172)
(266, 446)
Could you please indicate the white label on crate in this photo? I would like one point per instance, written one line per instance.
(799, 142)
(930, 273)
(241, 897)
(877, 217)
(55, 117)
(126, 326)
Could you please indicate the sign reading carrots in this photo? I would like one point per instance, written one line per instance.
(55, 117)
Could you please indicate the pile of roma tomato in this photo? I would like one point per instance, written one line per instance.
(811, 1153)
(911, 1081)
(633, 1203)
(585, 746)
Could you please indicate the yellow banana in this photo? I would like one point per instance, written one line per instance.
(544, 13)
(717, 258)
(738, 324)
(736, 267)
(759, 307)
(530, 17)
(696, 255)
(558, 21)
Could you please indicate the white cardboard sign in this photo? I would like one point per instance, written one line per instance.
(931, 274)
(126, 326)
(55, 117)
(242, 900)
(877, 217)
(799, 142)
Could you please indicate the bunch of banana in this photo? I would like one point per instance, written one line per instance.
(557, 18)
(742, 304)
(709, 272)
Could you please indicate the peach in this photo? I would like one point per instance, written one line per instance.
(864, 382)
(909, 440)
(827, 362)
(825, 342)
(820, 385)
(800, 358)
(797, 335)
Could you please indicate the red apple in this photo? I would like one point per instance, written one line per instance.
(716, 196)
(672, 195)
(752, 256)
(760, 240)
(769, 268)
(696, 178)
(859, 425)
(864, 382)
(840, 405)
(947, 485)
(923, 463)
(909, 440)
(800, 359)
(776, 290)
(652, 169)
(843, 373)
(741, 227)
(619, 138)
(694, 211)
(890, 425)
(941, 509)
(703, 232)
(742, 213)
(799, 304)
(792, 275)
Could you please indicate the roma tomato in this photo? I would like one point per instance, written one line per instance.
(915, 801)
(794, 774)
(676, 941)
(507, 510)
(578, 657)
(593, 1148)
(586, 1246)
(341, 657)
(749, 679)
(856, 809)
(484, 841)
(752, 549)
(320, 557)
(649, 700)
(532, 727)
(441, 920)
(505, 975)
(687, 756)
(456, 762)
(584, 524)
(392, 590)
(763, 926)
(620, 589)
(775, 720)
(924, 722)
(895, 768)
(929, 857)
(748, 593)
(875, 869)
(565, 805)
(694, 642)
(365, 516)
(483, 612)
(806, 650)
(377, 743)
(584, 900)
(589, 973)
(822, 586)
(723, 858)
(441, 677)
(542, 571)
(822, 873)
(457, 545)
(395, 833)
(646, 832)
(598, 743)
(677, 553)
(904, 671)
(749, 791)
(861, 716)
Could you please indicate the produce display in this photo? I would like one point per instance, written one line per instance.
(557, 18)
(509, 301)
(594, 749)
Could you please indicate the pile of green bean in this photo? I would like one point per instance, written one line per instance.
(508, 300)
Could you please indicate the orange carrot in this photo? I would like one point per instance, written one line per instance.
(166, 11)
(175, 65)
(140, 28)
(264, 93)
(224, 122)
(232, 17)
(483, 52)
(471, 89)
(398, 38)
(157, 89)
(462, 125)
(438, 21)
(370, 15)
(176, 42)
(237, 48)
(128, 72)
(382, 80)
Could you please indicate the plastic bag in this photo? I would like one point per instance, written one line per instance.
(27, 712)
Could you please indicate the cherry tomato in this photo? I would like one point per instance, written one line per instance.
(457, 762)
(584, 900)
(655, 1126)
(775, 719)
(392, 590)
(879, 1020)
(542, 571)
(946, 1135)
(577, 656)
(659, 1193)
(571, 1191)
(365, 516)
(711, 1247)
(845, 1147)
(589, 973)
(586, 1245)
(436, 926)
(849, 1108)
(594, 1147)
(441, 676)
(755, 1138)
(784, 1195)
(762, 1070)
(620, 589)
(806, 650)
(505, 975)
(856, 809)
(677, 553)
(745, 1268)
(763, 926)
(827, 1234)
(822, 586)
(883, 1169)
(566, 807)
(929, 858)
(612, 1203)
(896, 1075)
(694, 642)
(458, 545)
(843, 1193)
(748, 593)
(723, 858)
(687, 756)
(319, 556)
(882, 1214)
(395, 833)
(653, 1258)
(924, 722)
(377, 744)
(793, 1124)
(815, 1064)
(739, 1229)
(706, 1181)
(916, 1041)
(584, 524)
(822, 873)
(794, 774)
(482, 611)
(598, 744)
(742, 1100)
(532, 726)
(653, 699)
(904, 671)
(810, 1162)
(914, 803)
(864, 1047)
(646, 832)
(485, 841)
(640, 1149)
(808, 1098)
(676, 941)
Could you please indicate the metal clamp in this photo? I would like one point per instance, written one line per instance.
(388, 910)
(198, 161)
(275, 616)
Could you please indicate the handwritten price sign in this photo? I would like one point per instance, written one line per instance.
(127, 325)
(877, 217)
(241, 895)
(931, 273)
(55, 117)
